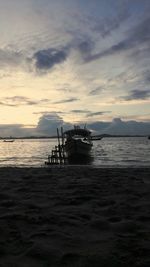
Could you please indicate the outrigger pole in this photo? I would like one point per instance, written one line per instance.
(58, 154)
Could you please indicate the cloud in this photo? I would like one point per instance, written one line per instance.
(107, 25)
(137, 36)
(119, 127)
(11, 58)
(17, 101)
(15, 130)
(79, 111)
(42, 60)
(73, 99)
(47, 126)
(48, 112)
(96, 91)
(92, 114)
(141, 33)
(86, 46)
(137, 95)
(49, 123)
(46, 59)
(117, 48)
(60, 44)
(146, 76)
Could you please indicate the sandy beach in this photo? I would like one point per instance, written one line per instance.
(74, 216)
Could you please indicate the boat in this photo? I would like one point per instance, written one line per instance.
(78, 143)
(8, 141)
(74, 146)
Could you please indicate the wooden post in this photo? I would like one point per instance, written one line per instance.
(59, 147)
(62, 138)
(57, 155)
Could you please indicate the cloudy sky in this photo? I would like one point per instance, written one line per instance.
(67, 61)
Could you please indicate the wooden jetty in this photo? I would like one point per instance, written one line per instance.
(57, 155)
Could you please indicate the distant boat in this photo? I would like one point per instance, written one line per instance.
(95, 138)
(9, 141)
(78, 142)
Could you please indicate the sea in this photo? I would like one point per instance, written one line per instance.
(107, 152)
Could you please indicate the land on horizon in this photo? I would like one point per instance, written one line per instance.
(55, 137)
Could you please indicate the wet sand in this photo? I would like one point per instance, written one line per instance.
(74, 216)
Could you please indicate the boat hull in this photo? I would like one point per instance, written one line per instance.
(77, 148)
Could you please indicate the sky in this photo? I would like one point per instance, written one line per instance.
(69, 62)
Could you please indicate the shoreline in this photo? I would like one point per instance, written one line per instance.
(75, 166)
(74, 216)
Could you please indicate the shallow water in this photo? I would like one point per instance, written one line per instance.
(108, 152)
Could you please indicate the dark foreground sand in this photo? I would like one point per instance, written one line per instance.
(74, 216)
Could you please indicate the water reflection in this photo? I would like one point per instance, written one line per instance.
(80, 160)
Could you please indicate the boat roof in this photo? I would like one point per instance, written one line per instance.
(78, 131)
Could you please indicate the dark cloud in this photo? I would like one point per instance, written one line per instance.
(92, 114)
(119, 127)
(141, 33)
(89, 113)
(73, 99)
(146, 76)
(127, 76)
(98, 126)
(48, 112)
(121, 46)
(16, 101)
(96, 91)
(43, 60)
(79, 111)
(106, 26)
(85, 47)
(137, 95)
(138, 35)
(48, 58)
(65, 88)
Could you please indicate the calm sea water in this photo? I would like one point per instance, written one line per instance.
(108, 152)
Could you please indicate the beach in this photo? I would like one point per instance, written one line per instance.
(77, 216)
